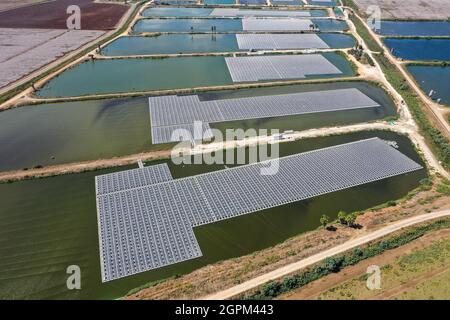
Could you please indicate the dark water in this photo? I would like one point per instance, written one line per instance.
(48, 224)
(99, 129)
(134, 75)
(193, 43)
(420, 49)
(415, 28)
(434, 78)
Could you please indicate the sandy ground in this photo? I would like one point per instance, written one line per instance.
(24, 50)
(314, 289)
(53, 15)
(410, 9)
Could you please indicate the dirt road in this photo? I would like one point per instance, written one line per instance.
(296, 266)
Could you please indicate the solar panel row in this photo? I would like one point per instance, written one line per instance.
(181, 132)
(229, 12)
(280, 41)
(258, 68)
(174, 110)
(254, 24)
(147, 227)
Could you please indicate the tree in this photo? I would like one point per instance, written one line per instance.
(324, 220)
(350, 220)
(341, 216)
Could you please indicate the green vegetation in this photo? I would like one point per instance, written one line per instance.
(324, 220)
(337, 263)
(364, 33)
(426, 263)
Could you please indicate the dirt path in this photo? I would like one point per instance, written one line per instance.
(16, 175)
(296, 266)
(314, 289)
(432, 108)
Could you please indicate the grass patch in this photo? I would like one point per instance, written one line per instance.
(337, 263)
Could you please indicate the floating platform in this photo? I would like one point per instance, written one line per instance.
(280, 41)
(277, 67)
(168, 113)
(249, 24)
(230, 12)
(146, 227)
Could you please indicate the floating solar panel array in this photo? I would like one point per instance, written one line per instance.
(168, 113)
(229, 12)
(257, 68)
(280, 41)
(148, 227)
(253, 24)
(117, 181)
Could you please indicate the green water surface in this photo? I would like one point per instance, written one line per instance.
(48, 224)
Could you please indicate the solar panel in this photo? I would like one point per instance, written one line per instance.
(254, 24)
(280, 41)
(229, 12)
(169, 113)
(258, 68)
(148, 227)
(133, 178)
(181, 132)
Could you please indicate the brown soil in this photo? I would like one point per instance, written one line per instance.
(315, 288)
(225, 274)
(52, 15)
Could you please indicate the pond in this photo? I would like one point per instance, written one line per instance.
(222, 25)
(135, 75)
(420, 49)
(203, 12)
(198, 43)
(51, 223)
(415, 28)
(99, 129)
(436, 78)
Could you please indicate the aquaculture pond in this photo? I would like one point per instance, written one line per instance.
(204, 12)
(420, 49)
(49, 224)
(134, 75)
(415, 28)
(100, 129)
(221, 25)
(192, 43)
(436, 78)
